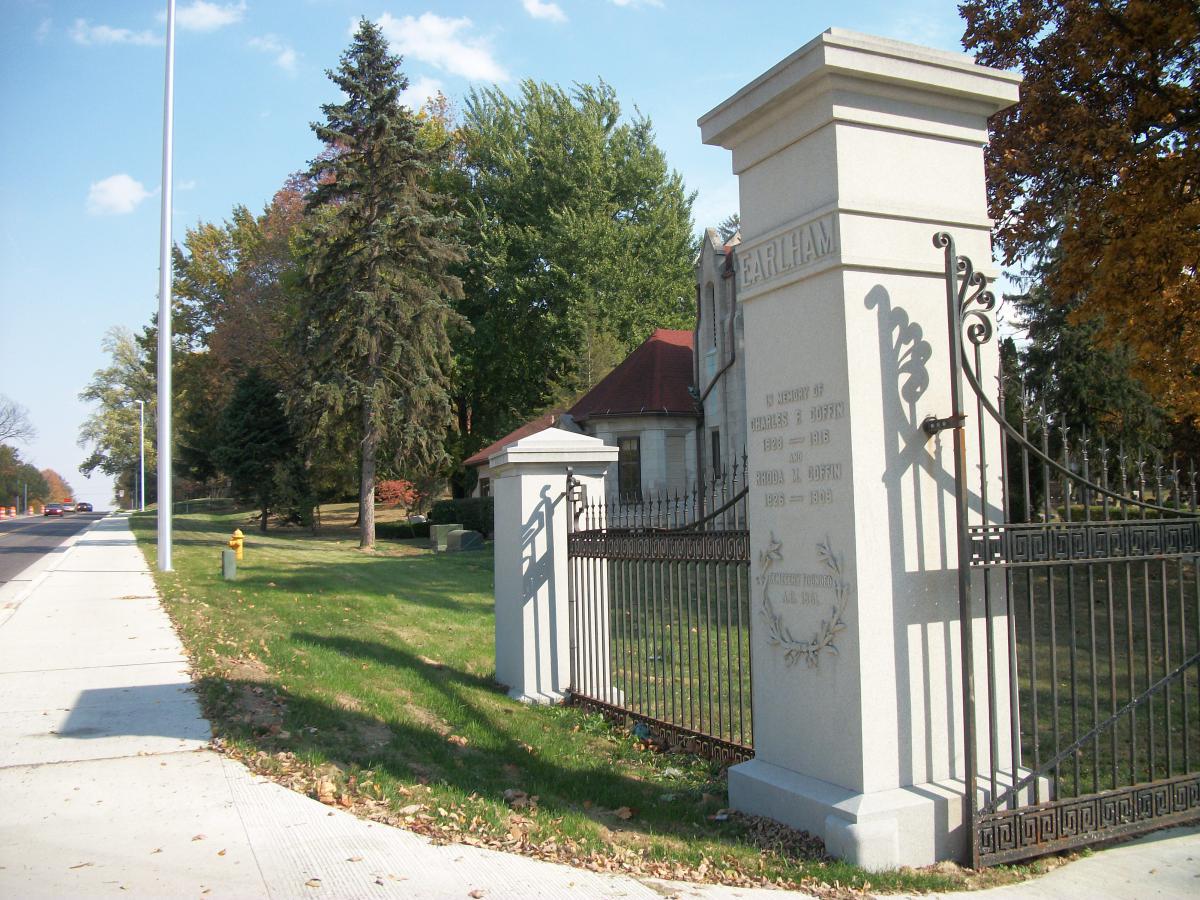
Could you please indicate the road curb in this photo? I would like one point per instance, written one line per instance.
(11, 606)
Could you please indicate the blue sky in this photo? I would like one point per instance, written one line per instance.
(81, 93)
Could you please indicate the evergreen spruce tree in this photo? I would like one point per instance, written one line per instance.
(254, 438)
(376, 258)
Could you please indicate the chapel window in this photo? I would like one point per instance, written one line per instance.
(629, 469)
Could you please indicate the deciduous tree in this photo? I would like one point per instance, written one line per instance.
(19, 480)
(377, 315)
(580, 243)
(57, 487)
(111, 430)
(1094, 176)
(14, 422)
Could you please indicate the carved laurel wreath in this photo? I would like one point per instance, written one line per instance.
(778, 633)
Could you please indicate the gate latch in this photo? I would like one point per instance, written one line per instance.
(932, 424)
(576, 493)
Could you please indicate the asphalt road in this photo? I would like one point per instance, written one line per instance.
(24, 540)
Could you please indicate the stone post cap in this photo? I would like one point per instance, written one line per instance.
(864, 62)
(553, 446)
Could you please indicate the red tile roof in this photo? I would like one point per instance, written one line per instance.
(653, 380)
(541, 423)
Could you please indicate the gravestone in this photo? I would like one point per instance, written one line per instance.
(438, 535)
(850, 154)
(460, 539)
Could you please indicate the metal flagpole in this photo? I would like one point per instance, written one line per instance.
(164, 311)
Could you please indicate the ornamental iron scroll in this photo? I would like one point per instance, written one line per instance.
(976, 302)
(778, 633)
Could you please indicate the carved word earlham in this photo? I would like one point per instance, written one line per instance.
(791, 250)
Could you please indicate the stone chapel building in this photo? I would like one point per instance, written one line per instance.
(676, 406)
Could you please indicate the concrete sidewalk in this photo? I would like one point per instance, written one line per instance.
(107, 788)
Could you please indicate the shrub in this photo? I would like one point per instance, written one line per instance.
(473, 513)
(396, 491)
(398, 531)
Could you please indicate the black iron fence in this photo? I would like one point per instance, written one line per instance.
(1083, 723)
(660, 614)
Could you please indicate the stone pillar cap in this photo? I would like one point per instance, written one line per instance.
(865, 58)
(553, 446)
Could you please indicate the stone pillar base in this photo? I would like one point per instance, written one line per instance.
(535, 698)
(916, 825)
(911, 826)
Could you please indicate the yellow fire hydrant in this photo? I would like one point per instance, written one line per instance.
(236, 542)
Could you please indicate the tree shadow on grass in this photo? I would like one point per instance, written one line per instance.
(584, 784)
(425, 581)
(437, 674)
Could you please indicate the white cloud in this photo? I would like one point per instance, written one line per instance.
(203, 16)
(43, 31)
(636, 2)
(542, 9)
(419, 90)
(115, 196)
(83, 32)
(439, 42)
(285, 55)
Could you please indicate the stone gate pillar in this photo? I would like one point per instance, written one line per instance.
(531, 567)
(851, 153)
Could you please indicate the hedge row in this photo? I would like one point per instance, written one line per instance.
(473, 513)
(398, 531)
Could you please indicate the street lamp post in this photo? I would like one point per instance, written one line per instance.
(164, 310)
(142, 452)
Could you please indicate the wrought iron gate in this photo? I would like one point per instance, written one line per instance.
(659, 613)
(1082, 715)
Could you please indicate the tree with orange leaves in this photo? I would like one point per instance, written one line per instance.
(1093, 177)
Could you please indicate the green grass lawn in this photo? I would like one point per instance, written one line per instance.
(366, 679)
(1118, 628)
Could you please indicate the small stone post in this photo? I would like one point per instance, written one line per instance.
(850, 155)
(531, 568)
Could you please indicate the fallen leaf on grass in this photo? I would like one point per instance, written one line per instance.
(412, 808)
(457, 739)
(623, 813)
(220, 853)
(325, 790)
(516, 799)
